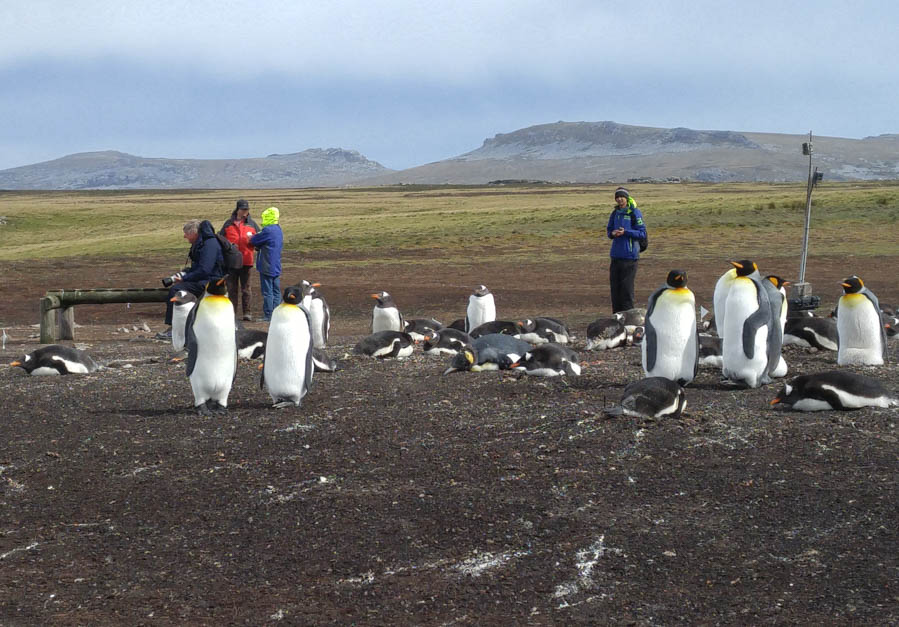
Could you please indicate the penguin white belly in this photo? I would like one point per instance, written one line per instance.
(858, 332)
(213, 371)
(741, 303)
(385, 319)
(674, 321)
(285, 371)
(44, 371)
(481, 309)
(179, 317)
(317, 323)
(719, 300)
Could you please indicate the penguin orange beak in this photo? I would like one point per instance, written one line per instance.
(16, 363)
(374, 295)
(737, 265)
(845, 285)
(316, 284)
(221, 281)
(775, 401)
(172, 299)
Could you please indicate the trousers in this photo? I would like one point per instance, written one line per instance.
(238, 282)
(622, 273)
(270, 286)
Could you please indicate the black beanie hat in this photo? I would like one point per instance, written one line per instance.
(242, 204)
(622, 193)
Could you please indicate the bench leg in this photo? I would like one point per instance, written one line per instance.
(49, 320)
(67, 323)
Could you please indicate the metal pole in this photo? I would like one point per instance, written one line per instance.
(808, 212)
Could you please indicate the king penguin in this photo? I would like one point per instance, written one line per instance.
(837, 389)
(211, 349)
(777, 299)
(319, 313)
(184, 302)
(385, 315)
(747, 356)
(56, 359)
(655, 397)
(481, 308)
(287, 366)
(670, 346)
(861, 338)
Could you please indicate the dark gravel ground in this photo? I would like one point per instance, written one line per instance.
(396, 495)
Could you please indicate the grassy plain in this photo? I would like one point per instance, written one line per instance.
(455, 224)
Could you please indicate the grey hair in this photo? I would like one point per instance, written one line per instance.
(192, 226)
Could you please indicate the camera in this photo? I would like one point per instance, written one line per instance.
(170, 280)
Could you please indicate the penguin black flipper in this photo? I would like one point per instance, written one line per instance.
(883, 332)
(650, 336)
(775, 333)
(190, 340)
(751, 325)
(310, 368)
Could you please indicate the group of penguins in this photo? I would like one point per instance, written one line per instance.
(750, 324)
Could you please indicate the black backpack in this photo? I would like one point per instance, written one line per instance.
(230, 253)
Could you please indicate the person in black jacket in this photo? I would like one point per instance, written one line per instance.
(206, 264)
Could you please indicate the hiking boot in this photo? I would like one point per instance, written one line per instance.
(165, 335)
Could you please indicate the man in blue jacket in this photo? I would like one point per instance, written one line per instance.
(625, 229)
(206, 264)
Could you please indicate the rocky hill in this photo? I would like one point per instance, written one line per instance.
(315, 167)
(595, 152)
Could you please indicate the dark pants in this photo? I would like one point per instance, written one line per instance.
(240, 280)
(197, 289)
(622, 273)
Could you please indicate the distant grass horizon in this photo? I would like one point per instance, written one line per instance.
(453, 223)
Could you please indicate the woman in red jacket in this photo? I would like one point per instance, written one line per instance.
(238, 229)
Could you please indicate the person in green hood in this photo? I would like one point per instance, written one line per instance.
(268, 244)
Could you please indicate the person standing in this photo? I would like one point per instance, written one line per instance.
(625, 229)
(238, 229)
(268, 243)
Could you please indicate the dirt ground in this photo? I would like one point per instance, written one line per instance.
(397, 495)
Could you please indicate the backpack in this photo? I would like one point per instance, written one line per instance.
(230, 253)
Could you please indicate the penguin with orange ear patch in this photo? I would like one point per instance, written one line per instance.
(211, 349)
(861, 338)
(287, 366)
(670, 342)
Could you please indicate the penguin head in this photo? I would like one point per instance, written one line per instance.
(526, 326)
(383, 298)
(292, 295)
(463, 360)
(677, 278)
(784, 398)
(852, 285)
(744, 267)
(481, 290)
(308, 288)
(22, 362)
(182, 297)
(217, 287)
(777, 281)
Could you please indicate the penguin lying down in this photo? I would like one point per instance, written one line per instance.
(653, 397)
(56, 359)
(836, 389)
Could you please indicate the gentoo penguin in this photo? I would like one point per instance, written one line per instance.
(418, 328)
(506, 327)
(385, 316)
(890, 323)
(861, 337)
(837, 389)
(670, 346)
(777, 298)
(654, 397)
(287, 365)
(384, 344)
(811, 332)
(481, 308)
(183, 301)
(631, 318)
(322, 361)
(446, 341)
(549, 360)
(543, 329)
(709, 350)
(319, 313)
(458, 323)
(606, 333)
(250, 343)
(56, 359)
(748, 354)
(495, 351)
(211, 349)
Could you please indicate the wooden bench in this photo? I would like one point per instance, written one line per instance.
(58, 307)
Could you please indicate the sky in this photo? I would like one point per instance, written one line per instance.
(411, 82)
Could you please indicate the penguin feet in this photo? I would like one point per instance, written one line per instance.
(285, 402)
(203, 410)
(215, 407)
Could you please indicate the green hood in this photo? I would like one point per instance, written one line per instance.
(270, 216)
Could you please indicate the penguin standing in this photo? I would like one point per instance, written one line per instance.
(861, 337)
(606, 333)
(287, 366)
(722, 287)
(319, 313)
(481, 308)
(747, 357)
(836, 389)
(184, 302)
(777, 298)
(211, 349)
(56, 359)
(386, 316)
(550, 360)
(654, 397)
(670, 346)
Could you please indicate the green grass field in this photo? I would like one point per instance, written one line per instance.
(449, 223)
